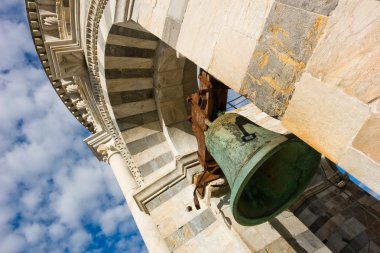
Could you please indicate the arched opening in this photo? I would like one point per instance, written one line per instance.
(147, 84)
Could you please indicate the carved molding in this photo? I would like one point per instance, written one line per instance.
(101, 143)
(96, 10)
(106, 150)
(62, 58)
(81, 105)
(50, 22)
(61, 18)
(70, 63)
(184, 164)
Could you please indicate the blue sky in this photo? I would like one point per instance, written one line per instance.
(54, 195)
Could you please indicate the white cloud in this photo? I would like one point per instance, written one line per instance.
(33, 233)
(12, 243)
(78, 240)
(79, 192)
(56, 231)
(112, 218)
(15, 45)
(31, 199)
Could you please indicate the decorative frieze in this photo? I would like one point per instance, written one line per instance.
(60, 54)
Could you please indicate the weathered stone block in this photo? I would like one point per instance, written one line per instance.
(292, 223)
(166, 94)
(114, 62)
(268, 233)
(347, 56)
(323, 7)
(182, 137)
(308, 241)
(335, 242)
(141, 131)
(166, 59)
(368, 139)
(326, 230)
(177, 9)
(151, 15)
(201, 25)
(151, 153)
(325, 124)
(123, 51)
(215, 238)
(166, 196)
(137, 120)
(120, 40)
(173, 111)
(289, 38)
(128, 84)
(280, 245)
(127, 32)
(128, 73)
(134, 108)
(235, 49)
(362, 167)
(167, 227)
(202, 221)
(171, 32)
(146, 142)
(117, 98)
(183, 234)
(169, 78)
(307, 217)
(324, 249)
(253, 239)
(157, 201)
(351, 228)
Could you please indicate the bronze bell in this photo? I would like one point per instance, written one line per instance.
(266, 171)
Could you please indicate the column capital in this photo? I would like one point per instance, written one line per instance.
(106, 150)
(102, 145)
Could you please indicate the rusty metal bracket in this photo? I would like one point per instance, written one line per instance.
(207, 103)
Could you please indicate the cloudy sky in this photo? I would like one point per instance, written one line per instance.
(54, 195)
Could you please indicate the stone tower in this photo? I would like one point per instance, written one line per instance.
(123, 68)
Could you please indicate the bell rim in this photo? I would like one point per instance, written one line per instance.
(241, 181)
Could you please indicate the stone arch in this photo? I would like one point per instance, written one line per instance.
(146, 85)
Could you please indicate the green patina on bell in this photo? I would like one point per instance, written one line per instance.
(266, 171)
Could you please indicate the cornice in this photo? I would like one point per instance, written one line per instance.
(59, 55)
(95, 12)
(98, 143)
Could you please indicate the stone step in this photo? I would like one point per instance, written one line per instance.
(125, 31)
(144, 130)
(154, 166)
(134, 108)
(125, 51)
(153, 153)
(132, 25)
(146, 142)
(129, 84)
(112, 62)
(120, 40)
(130, 122)
(118, 98)
(128, 73)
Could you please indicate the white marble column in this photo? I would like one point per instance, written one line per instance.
(128, 185)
